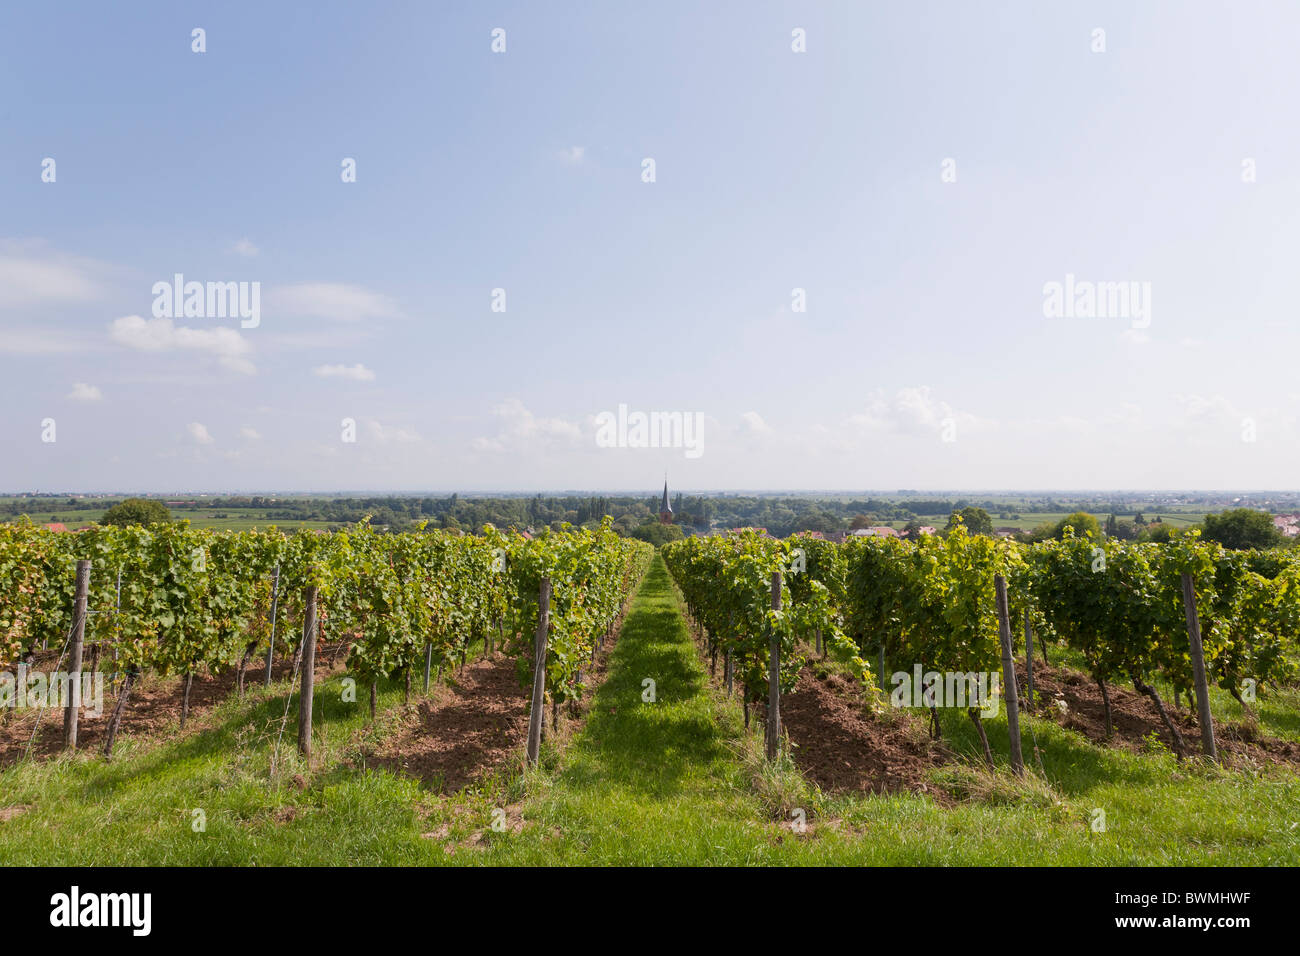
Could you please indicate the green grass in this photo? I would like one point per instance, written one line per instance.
(220, 519)
(676, 781)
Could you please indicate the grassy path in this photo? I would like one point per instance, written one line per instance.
(647, 781)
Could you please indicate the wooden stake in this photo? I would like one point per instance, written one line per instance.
(73, 710)
(115, 721)
(270, 650)
(1009, 676)
(185, 700)
(773, 730)
(1029, 659)
(117, 608)
(536, 717)
(1198, 668)
(308, 671)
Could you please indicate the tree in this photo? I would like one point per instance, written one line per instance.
(1242, 528)
(658, 534)
(976, 520)
(136, 511)
(1083, 524)
(1158, 533)
(819, 521)
(1126, 530)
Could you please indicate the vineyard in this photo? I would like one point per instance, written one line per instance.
(1189, 612)
(174, 601)
(768, 711)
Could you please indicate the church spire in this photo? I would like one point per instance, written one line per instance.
(665, 510)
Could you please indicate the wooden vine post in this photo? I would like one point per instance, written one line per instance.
(270, 650)
(1009, 676)
(308, 671)
(1198, 669)
(117, 610)
(728, 667)
(773, 729)
(1029, 659)
(73, 709)
(535, 714)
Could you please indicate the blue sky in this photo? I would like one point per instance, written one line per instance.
(924, 358)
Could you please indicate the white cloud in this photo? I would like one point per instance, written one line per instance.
(224, 343)
(356, 373)
(1204, 408)
(249, 433)
(912, 409)
(521, 428)
(754, 423)
(199, 433)
(30, 274)
(245, 247)
(81, 392)
(332, 300)
(387, 434)
(574, 155)
(1135, 337)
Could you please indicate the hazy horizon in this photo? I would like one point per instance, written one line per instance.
(595, 492)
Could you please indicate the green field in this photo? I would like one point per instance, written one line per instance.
(229, 519)
(677, 781)
(1028, 522)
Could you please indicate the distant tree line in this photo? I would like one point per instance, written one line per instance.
(639, 515)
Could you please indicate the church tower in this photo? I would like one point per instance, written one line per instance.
(665, 510)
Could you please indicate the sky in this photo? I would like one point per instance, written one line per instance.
(840, 272)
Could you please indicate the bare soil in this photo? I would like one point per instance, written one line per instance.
(475, 725)
(840, 745)
(1134, 718)
(466, 731)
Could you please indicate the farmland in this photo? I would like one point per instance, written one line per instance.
(781, 514)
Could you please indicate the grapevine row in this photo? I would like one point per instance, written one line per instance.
(173, 599)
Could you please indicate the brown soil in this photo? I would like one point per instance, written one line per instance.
(1134, 718)
(153, 710)
(475, 725)
(840, 745)
(465, 732)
